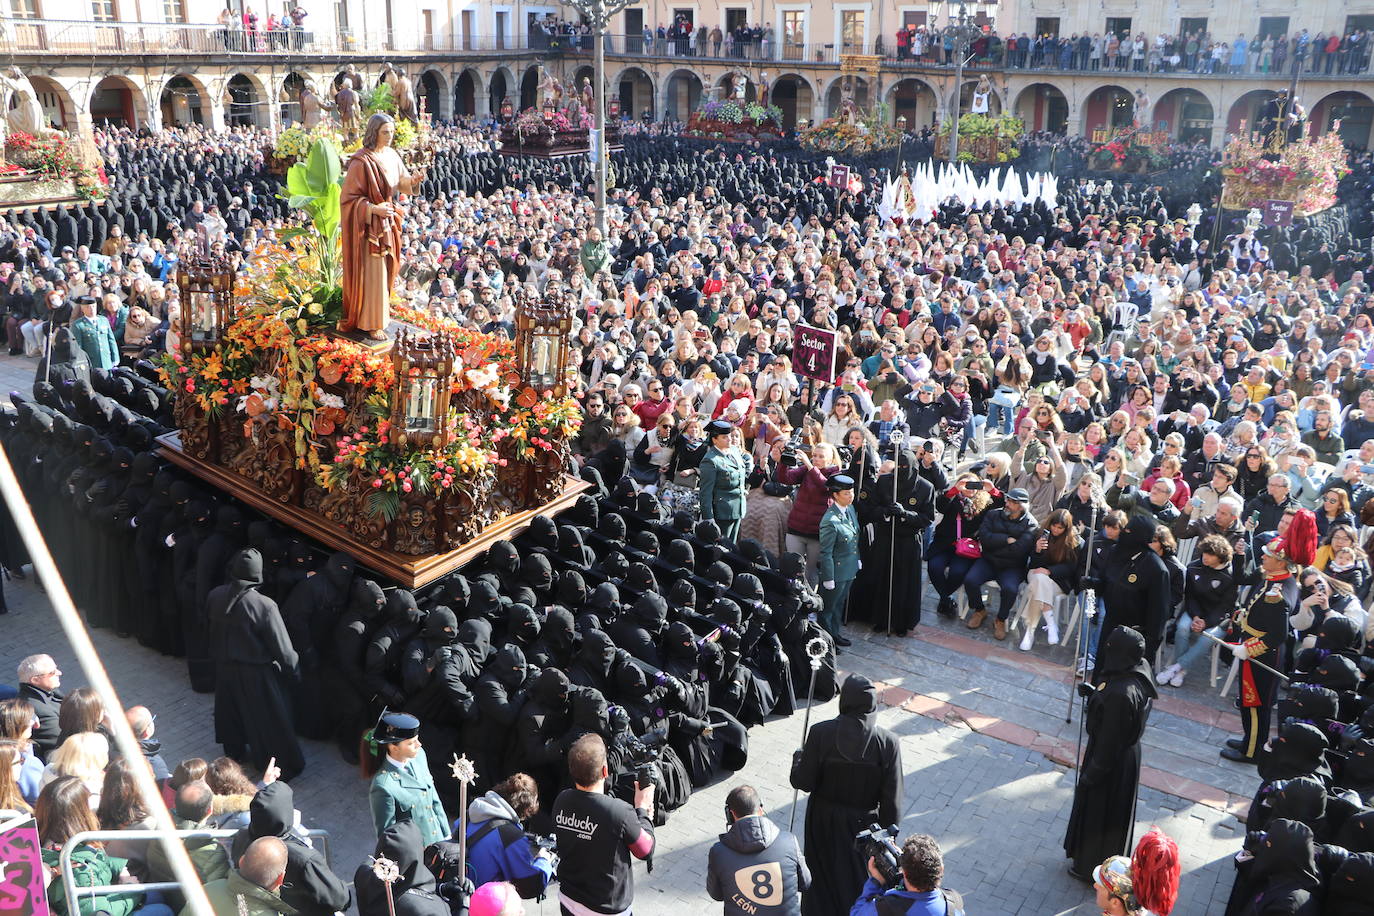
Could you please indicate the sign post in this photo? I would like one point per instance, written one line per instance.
(1278, 213)
(813, 353)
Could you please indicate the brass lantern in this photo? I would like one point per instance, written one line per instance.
(507, 109)
(206, 285)
(424, 379)
(543, 331)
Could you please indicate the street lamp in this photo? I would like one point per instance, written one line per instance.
(597, 14)
(962, 29)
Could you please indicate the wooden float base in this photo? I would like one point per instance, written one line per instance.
(560, 152)
(406, 571)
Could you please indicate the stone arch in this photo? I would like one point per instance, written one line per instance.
(289, 96)
(1187, 113)
(1353, 109)
(431, 94)
(583, 71)
(117, 100)
(636, 91)
(833, 94)
(1107, 107)
(245, 101)
(1043, 106)
(185, 100)
(682, 92)
(467, 89)
(995, 102)
(55, 100)
(1245, 110)
(724, 86)
(795, 95)
(501, 87)
(913, 99)
(529, 88)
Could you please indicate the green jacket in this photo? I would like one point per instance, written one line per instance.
(92, 868)
(207, 854)
(595, 257)
(839, 544)
(95, 337)
(722, 488)
(224, 897)
(401, 793)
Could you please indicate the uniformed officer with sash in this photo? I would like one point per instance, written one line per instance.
(724, 475)
(1259, 633)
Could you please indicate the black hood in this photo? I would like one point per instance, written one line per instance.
(858, 707)
(484, 601)
(229, 520)
(1299, 750)
(550, 689)
(402, 609)
(631, 683)
(645, 542)
(367, 599)
(1136, 536)
(1309, 701)
(682, 594)
(615, 565)
(457, 591)
(584, 511)
(793, 566)
(1348, 891)
(143, 469)
(271, 813)
(755, 553)
(721, 574)
(503, 558)
(651, 612)
(338, 569)
(537, 572)
(508, 666)
(1123, 656)
(748, 587)
(522, 623)
(605, 597)
(589, 711)
(1338, 633)
(640, 577)
(1302, 799)
(402, 844)
(725, 611)
(1358, 776)
(543, 532)
(707, 531)
(1338, 672)
(475, 635)
(1287, 850)
(597, 651)
(571, 547)
(441, 625)
(572, 589)
(679, 642)
(1357, 834)
(680, 555)
(559, 630)
(612, 528)
(245, 568)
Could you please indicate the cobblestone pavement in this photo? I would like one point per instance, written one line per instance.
(998, 807)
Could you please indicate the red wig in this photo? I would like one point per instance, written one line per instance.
(1155, 870)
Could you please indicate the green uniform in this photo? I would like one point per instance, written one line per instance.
(723, 488)
(406, 791)
(839, 562)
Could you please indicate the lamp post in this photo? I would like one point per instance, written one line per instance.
(962, 29)
(598, 15)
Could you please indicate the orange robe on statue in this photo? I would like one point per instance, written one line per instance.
(371, 239)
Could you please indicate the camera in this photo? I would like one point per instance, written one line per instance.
(880, 844)
(789, 451)
(547, 842)
(640, 756)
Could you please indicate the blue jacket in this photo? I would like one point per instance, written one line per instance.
(503, 853)
(926, 903)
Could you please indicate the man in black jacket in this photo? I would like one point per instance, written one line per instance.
(1006, 535)
(39, 678)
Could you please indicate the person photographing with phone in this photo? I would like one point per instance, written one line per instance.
(597, 834)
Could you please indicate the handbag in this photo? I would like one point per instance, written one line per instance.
(965, 547)
(1006, 397)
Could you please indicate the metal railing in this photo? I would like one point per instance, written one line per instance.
(62, 36)
(147, 836)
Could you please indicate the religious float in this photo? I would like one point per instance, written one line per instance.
(40, 166)
(1258, 168)
(412, 454)
(985, 139)
(561, 125)
(852, 131)
(1129, 149)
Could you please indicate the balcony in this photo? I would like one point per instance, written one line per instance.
(84, 37)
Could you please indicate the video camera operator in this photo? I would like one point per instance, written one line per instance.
(499, 849)
(919, 892)
(597, 834)
(756, 867)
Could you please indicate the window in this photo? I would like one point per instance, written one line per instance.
(173, 11)
(913, 18)
(1047, 25)
(1352, 23)
(852, 30)
(25, 9)
(103, 10)
(735, 17)
(341, 15)
(1120, 26)
(793, 34)
(1273, 26)
(1192, 25)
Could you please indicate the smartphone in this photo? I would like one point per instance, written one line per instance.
(974, 485)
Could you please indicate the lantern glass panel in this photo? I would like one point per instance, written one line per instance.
(204, 316)
(422, 403)
(543, 367)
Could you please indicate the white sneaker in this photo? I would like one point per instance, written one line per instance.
(1177, 679)
(1051, 628)
(1165, 673)
(1028, 640)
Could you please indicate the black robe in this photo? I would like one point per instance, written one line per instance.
(1103, 816)
(253, 656)
(898, 523)
(852, 770)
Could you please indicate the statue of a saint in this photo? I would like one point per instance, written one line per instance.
(403, 92)
(550, 90)
(346, 103)
(371, 228)
(26, 114)
(312, 108)
(1140, 113)
(739, 85)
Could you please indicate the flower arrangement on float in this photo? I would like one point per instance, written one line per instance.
(54, 159)
(853, 130)
(1305, 171)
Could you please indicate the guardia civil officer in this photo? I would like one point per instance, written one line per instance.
(722, 488)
